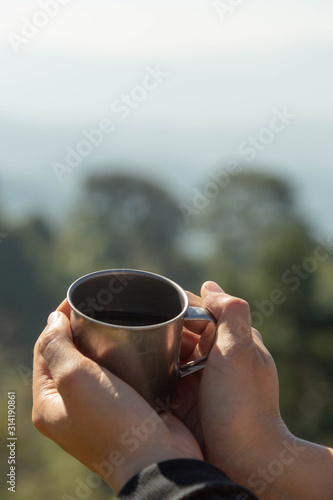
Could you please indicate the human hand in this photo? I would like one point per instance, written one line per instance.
(95, 416)
(237, 418)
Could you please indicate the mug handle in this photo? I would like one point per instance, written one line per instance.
(197, 313)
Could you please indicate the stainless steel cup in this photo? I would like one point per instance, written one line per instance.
(130, 322)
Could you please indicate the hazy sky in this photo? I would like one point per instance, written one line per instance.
(126, 30)
(228, 71)
(108, 27)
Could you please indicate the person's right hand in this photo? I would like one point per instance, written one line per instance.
(242, 431)
(238, 390)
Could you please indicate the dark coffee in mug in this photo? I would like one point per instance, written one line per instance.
(129, 318)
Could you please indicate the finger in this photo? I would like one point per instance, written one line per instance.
(41, 381)
(200, 343)
(195, 300)
(42, 378)
(61, 357)
(47, 403)
(65, 308)
(197, 327)
(232, 314)
(189, 341)
(257, 335)
(211, 287)
(262, 349)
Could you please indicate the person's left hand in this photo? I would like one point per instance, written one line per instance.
(95, 416)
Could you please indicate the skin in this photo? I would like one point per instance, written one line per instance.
(228, 414)
(68, 386)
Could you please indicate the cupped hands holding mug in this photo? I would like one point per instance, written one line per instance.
(227, 415)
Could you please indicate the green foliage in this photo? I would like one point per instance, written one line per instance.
(250, 241)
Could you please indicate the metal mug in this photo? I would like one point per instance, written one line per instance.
(130, 322)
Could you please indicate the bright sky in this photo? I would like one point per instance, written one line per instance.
(149, 27)
(116, 31)
(226, 67)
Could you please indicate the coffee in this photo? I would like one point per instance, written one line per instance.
(137, 331)
(129, 318)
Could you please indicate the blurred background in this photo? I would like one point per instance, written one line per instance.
(191, 139)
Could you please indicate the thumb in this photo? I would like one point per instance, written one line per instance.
(213, 297)
(211, 286)
(58, 350)
(232, 313)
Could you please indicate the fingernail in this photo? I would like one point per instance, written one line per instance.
(211, 286)
(54, 316)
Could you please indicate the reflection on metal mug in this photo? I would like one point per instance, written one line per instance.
(130, 322)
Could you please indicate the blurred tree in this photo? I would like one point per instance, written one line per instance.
(256, 233)
(142, 219)
(25, 296)
(121, 222)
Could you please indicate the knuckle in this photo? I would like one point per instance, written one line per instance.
(236, 304)
(38, 420)
(70, 379)
(45, 339)
(75, 375)
(257, 333)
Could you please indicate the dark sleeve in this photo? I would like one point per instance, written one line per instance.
(183, 479)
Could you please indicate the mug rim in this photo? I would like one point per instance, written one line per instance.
(125, 271)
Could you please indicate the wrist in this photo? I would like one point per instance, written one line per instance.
(269, 463)
(254, 463)
(167, 439)
(133, 465)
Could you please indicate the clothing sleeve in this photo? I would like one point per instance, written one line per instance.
(183, 479)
